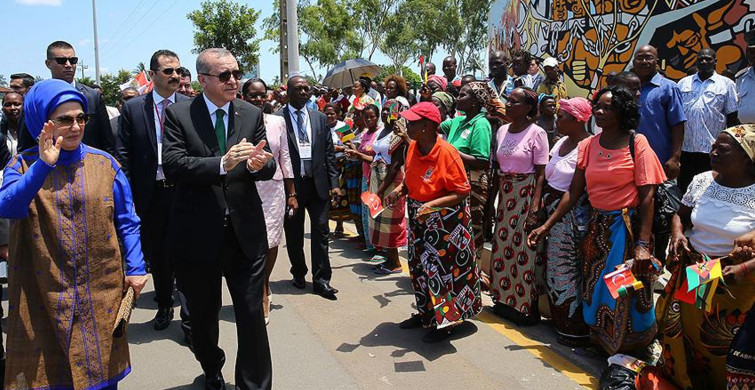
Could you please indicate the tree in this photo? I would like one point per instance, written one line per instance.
(86, 80)
(430, 21)
(399, 42)
(3, 81)
(227, 24)
(324, 36)
(373, 21)
(411, 77)
(467, 33)
(111, 86)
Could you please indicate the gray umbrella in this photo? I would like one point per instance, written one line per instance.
(347, 72)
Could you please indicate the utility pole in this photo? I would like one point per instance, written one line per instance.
(283, 50)
(83, 67)
(292, 26)
(96, 44)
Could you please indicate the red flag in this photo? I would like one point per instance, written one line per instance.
(421, 61)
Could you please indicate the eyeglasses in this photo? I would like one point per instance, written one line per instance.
(644, 58)
(223, 77)
(170, 71)
(67, 121)
(63, 60)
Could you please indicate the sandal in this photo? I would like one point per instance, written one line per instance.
(377, 259)
(383, 270)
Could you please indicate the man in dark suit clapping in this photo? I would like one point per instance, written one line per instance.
(140, 141)
(214, 149)
(316, 177)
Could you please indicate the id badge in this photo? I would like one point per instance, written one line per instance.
(305, 151)
(159, 153)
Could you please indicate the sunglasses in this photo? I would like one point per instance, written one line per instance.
(63, 60)
(225, 76)
(67, 121)
(170, 71)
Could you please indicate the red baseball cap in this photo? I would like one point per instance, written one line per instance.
(421, 110)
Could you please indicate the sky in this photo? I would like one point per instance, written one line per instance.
(129, 31)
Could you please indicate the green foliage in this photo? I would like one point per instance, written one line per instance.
(196, 86)
(227, 24)
(110, 83)
(411, 77)
(3, 81)
(86, 80)
(467, 22)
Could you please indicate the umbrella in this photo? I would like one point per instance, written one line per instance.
(345, 73)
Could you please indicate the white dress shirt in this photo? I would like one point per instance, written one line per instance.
(706, 106)
(307, 128)
(157, 108)
(212, 108)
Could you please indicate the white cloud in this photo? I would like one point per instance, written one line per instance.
(53, 3)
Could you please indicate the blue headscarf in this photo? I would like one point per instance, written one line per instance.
(43, 98)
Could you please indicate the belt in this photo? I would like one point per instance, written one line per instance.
(163, 184)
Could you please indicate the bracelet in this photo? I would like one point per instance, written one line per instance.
(292, 195)
(642, 243)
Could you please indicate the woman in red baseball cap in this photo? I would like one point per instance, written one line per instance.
(442, 265)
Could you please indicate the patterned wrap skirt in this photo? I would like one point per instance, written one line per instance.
(367, 221)
(696, 342)
(273, 195)
(620, 324)
(389, 228)
(442, 266)
(740, 364)
(518, 272)
(478, 199)
(564, 268)
(340, 209)
(352, 175)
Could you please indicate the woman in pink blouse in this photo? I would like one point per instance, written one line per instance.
(518, 272)
(273, 192)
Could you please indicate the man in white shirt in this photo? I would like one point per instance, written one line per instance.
(710, 105)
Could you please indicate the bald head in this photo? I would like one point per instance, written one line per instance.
(645, 63)
(449, 68)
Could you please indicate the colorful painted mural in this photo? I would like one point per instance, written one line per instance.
(594, 37)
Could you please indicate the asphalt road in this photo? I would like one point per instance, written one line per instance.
(355, 343)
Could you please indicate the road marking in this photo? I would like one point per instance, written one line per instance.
(536, 348)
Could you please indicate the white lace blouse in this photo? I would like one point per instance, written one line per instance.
(719, 214)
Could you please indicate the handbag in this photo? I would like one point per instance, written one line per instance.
(667, 200)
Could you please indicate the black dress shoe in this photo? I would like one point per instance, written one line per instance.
(214, 381)
(324, 290)
(299, 283)
(163, 318)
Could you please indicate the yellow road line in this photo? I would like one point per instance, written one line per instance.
(536, 348)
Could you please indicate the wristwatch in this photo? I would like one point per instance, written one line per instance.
(292, 195)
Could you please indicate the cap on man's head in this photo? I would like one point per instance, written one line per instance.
(750, 38)
(550, 61)
(426, 110)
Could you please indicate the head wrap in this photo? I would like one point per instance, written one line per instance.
(439, 80)
(487, 97)
(446, 100)
(43, 98)
(543, 96)
(578, 107)
(745, 136)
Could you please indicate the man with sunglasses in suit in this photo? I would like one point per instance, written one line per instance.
(62, 60)
(214, 149)
(140, 140)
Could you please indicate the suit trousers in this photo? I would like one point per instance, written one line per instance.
(157, 251)
(244, 277)
(318, 210)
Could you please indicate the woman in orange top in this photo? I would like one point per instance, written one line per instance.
(442, 265)
(620, 182)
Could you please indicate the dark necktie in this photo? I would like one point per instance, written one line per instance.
(220, 129)
(304, 139)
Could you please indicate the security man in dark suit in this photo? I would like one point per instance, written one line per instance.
(310, 144)
(214, 149)
(140, 141)
(62, 60)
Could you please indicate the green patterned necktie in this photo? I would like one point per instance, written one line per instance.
(220, 129)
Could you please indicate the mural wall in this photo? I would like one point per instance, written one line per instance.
(591, 38)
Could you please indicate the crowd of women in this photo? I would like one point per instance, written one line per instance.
(462, 166)
(564, 190)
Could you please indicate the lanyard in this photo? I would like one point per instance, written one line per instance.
(305, 123)
(161, 120)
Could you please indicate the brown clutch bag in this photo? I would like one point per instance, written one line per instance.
(124, 312)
